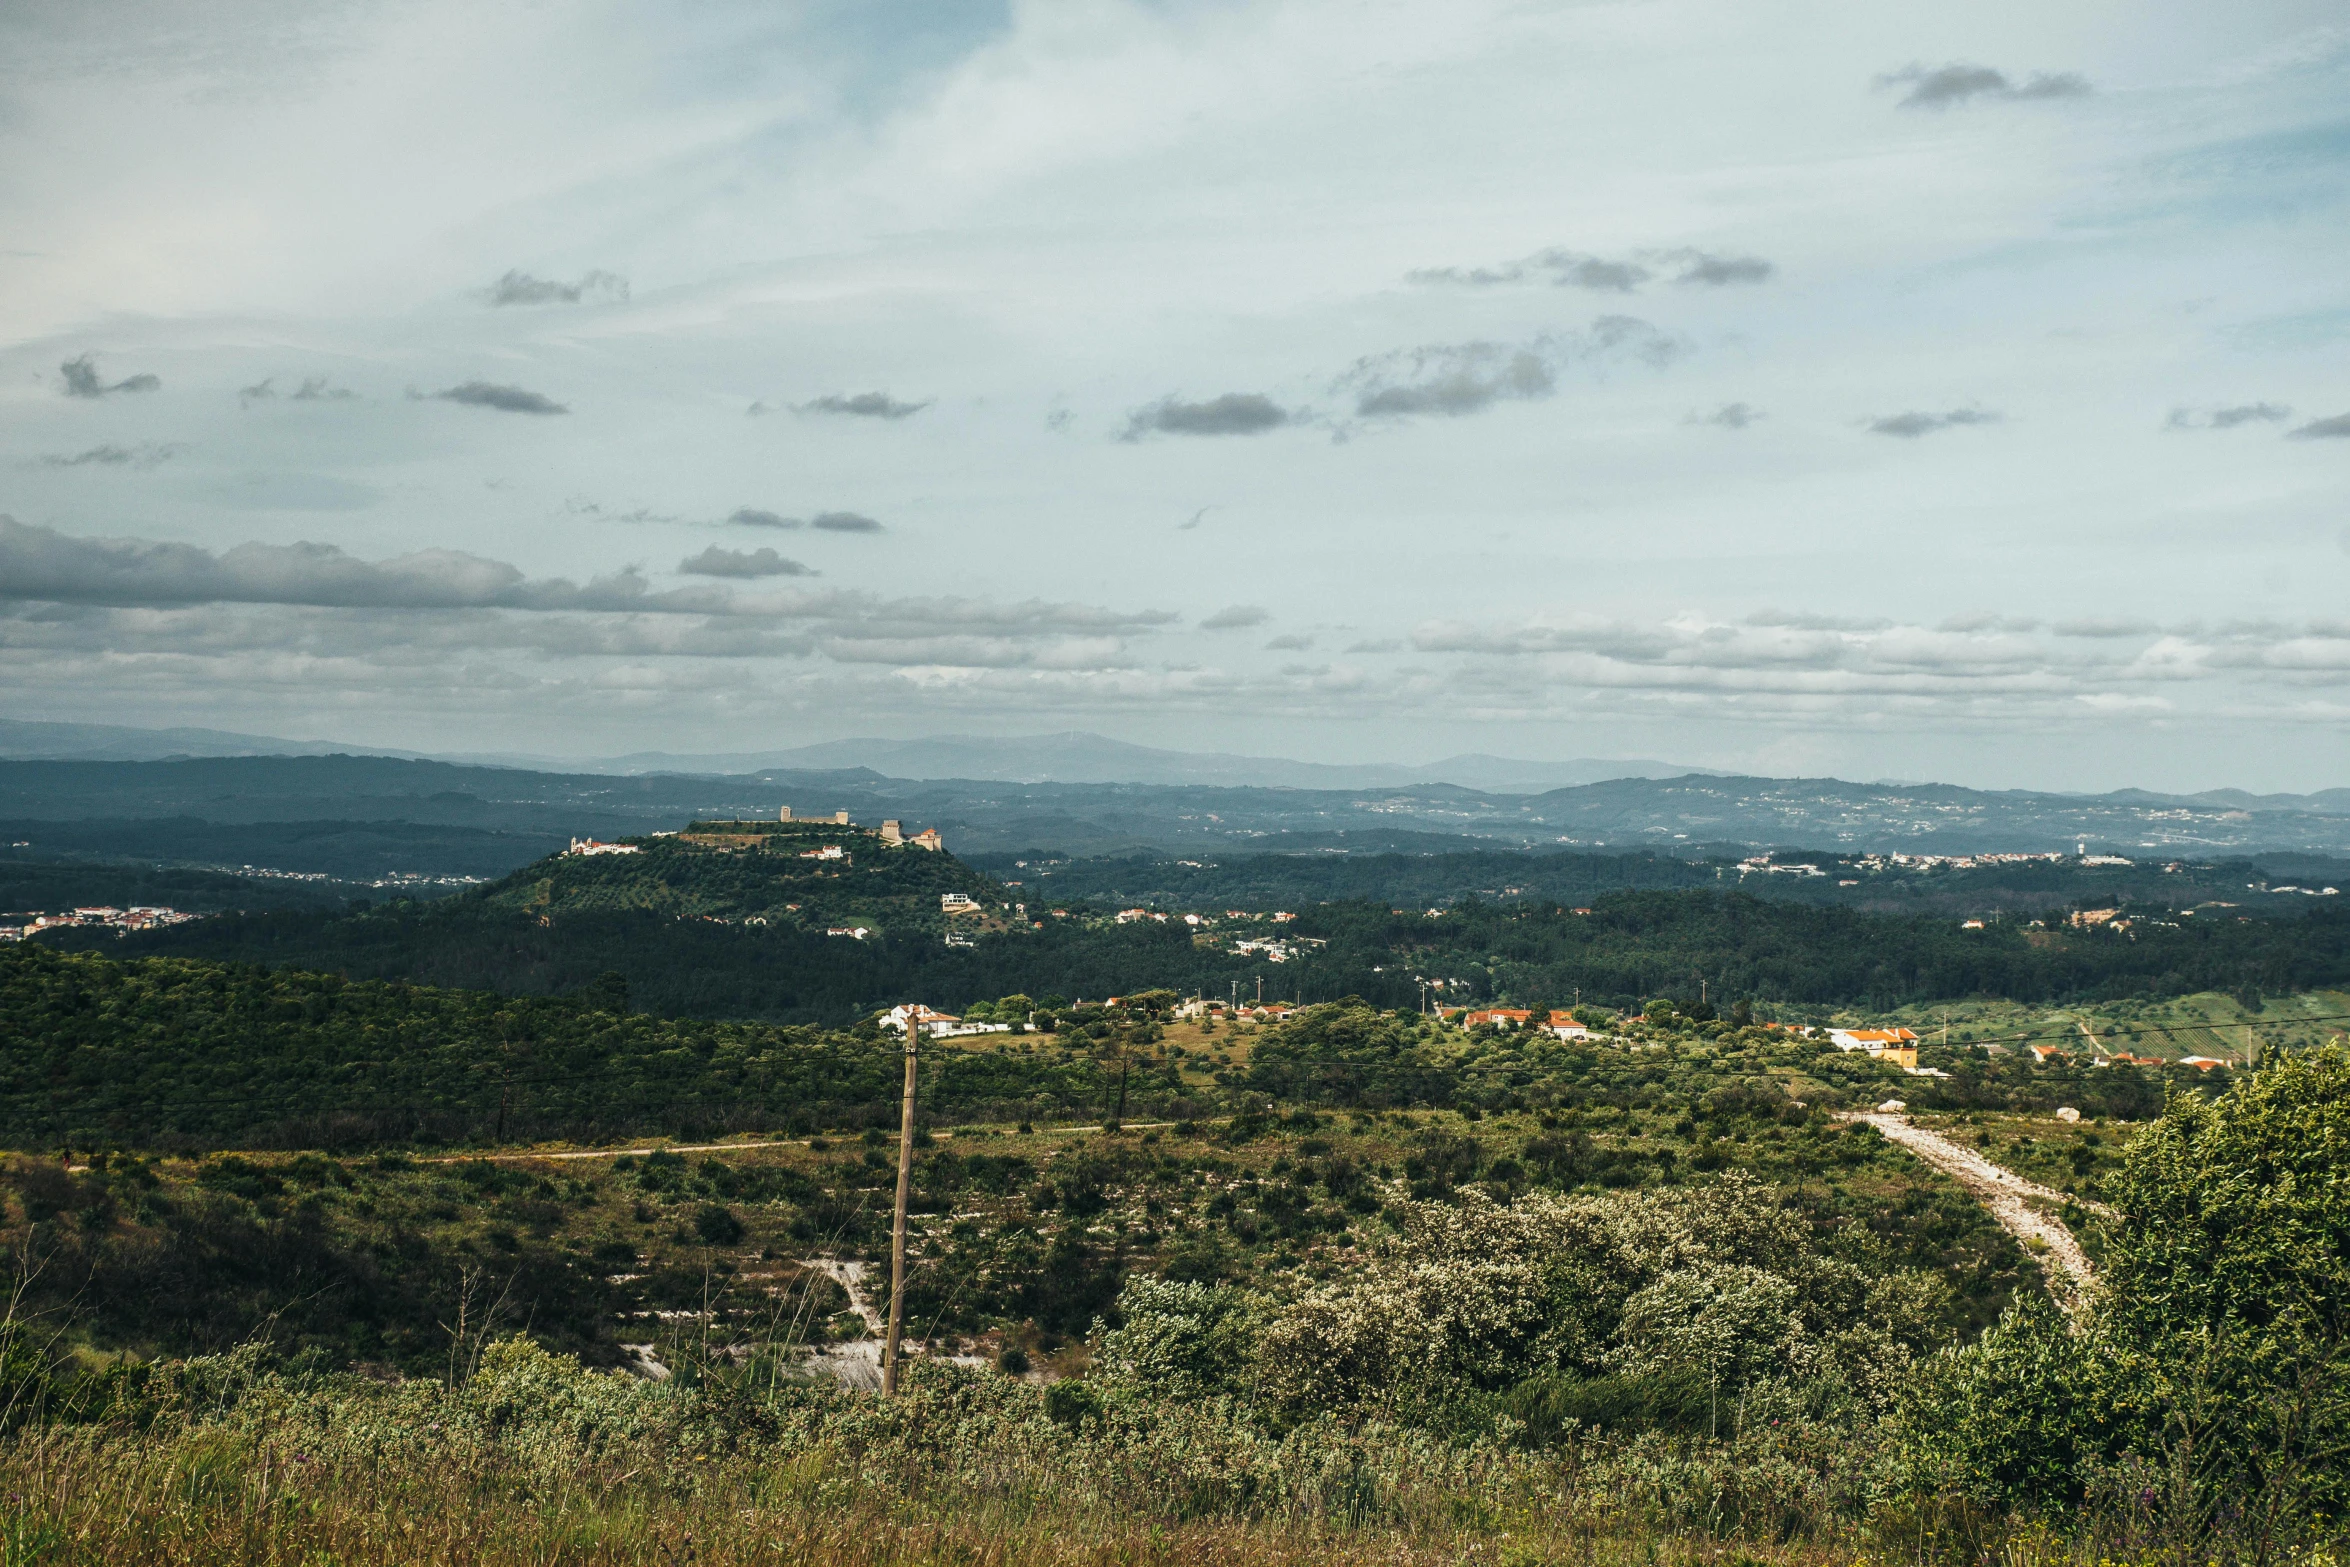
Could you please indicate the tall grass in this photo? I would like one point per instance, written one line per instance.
(208, 1496)
(534, 1460)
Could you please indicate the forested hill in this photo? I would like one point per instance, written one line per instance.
(165, 1050)
(815, 876)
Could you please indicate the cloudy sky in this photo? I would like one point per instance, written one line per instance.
(1952, 392)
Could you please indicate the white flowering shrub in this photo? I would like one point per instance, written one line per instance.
(1720, 1286)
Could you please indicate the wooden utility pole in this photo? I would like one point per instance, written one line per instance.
(897, 1229)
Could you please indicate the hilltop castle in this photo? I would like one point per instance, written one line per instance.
(891, 833)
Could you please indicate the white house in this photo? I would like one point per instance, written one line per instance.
(590, 846)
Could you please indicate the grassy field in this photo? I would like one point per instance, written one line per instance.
(2207, 1023)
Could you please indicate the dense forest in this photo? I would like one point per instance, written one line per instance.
(168, 1051)
(1628, 947)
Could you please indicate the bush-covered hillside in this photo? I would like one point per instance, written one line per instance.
(1388, 1337)
(1021, 1236)
(100, 1052)
(93, 1051)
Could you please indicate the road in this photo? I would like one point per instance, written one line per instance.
(2007, 1195)
(526, 1155)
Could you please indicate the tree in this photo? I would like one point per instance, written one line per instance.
(2232, 1270)
(2216, 1358)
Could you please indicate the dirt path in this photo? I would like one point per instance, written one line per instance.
(520, 1156)
(2003, 1192)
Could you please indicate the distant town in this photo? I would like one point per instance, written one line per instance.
(137, 917)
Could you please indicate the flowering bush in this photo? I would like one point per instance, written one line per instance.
(1721, 1282)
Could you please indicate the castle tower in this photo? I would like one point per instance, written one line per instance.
(784, 815)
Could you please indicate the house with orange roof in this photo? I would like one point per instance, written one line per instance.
(1896, 1045)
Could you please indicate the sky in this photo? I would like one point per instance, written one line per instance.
(1935, 392)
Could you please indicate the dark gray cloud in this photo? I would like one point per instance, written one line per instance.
(1452, 379)
(863, 405)
(2227, 418)
(1558, 266)
(1710, 269)
(1942, 87)
(1916, 422)
(1730, 416)
(506, 399)
(1289, 644)
(42, 564)
(314, 389)
(2335, 428)
(1461, 378)
(1565, 268)
(240, 612)
(1595, 272)
(1234, 413)
(825, 521)
(715, 562)
(146, 455)
(1239, 617)
(82, 379)
(520, 288)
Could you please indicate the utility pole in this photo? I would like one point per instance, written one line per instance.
(897, 1229)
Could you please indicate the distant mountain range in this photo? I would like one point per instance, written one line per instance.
(31, 740)
(488, 813)
(500, 810)
(1077, 757)
(1069, 757)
